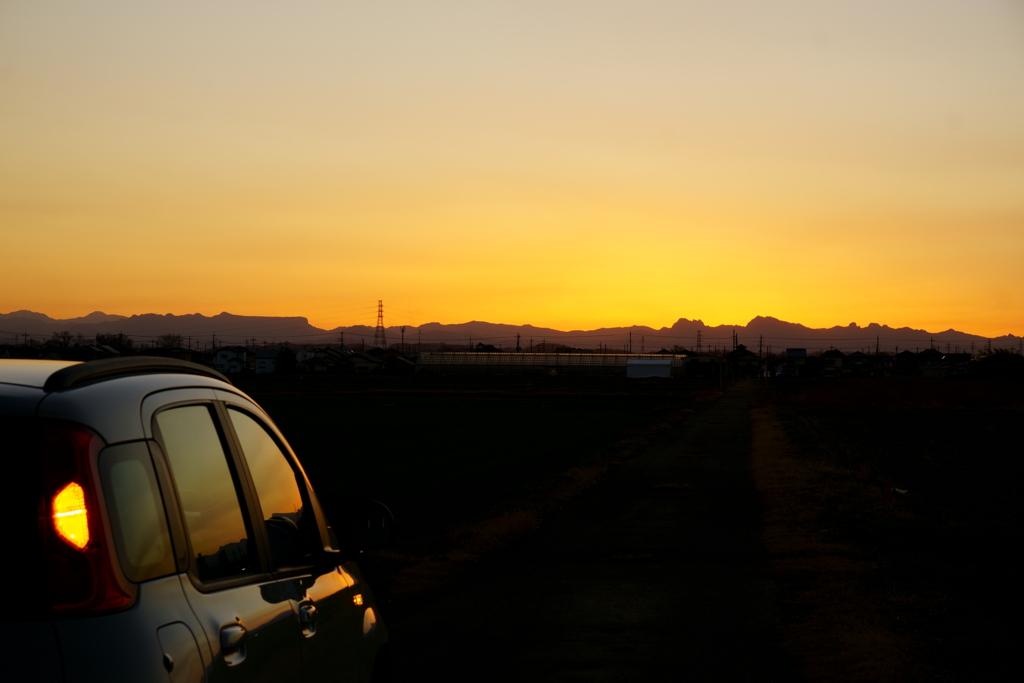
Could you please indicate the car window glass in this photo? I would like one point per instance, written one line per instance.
(292, 533)
(136, 512)
(209, 498)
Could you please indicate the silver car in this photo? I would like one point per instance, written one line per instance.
(159, 528)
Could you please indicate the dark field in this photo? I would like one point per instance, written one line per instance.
(464, 463)
(893, 524)
(886, 511)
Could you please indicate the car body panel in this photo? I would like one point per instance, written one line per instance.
(124, 645)
(182, 658)
(29, 372)
(110, 407)
(30, 652)
(272, 631)
(19, 401)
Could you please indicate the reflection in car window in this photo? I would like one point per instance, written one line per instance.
(209, 499)
(291, 535)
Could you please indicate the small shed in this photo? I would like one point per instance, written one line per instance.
(649, 367)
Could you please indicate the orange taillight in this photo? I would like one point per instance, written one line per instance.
(70, 515)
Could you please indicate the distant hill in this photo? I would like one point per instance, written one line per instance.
(227, 328)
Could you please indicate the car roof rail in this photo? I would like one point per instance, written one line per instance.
(109, 368)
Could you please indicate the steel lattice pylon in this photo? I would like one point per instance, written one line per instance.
(379, 340)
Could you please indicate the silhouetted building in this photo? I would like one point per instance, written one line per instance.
(231, 359)
(831, 363)
(266, 361)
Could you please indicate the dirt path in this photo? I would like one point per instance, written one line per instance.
(655, 574)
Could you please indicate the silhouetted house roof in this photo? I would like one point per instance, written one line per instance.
(741, 355)
(317, 364)
(833, 358)
(335, 354)
(400, 365)
(796, 353)
(364, 362)
(929, 356)
(387, 354)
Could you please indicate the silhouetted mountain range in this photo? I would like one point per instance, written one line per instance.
(226, 328)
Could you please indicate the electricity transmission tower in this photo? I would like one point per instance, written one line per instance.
(379, 341)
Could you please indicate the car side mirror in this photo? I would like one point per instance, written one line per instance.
(359, 524)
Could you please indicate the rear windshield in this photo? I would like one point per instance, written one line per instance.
(23, 570)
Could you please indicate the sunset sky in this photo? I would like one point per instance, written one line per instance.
(568, 164)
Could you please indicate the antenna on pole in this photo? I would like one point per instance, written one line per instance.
(379, 340)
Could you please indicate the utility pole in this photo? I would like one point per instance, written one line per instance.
(517, 344)
(642, 344)
(876, 344)
(760, 341)
(403, 339)
(698, 341)
(419, 339)
(631, 341)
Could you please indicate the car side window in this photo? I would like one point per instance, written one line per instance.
(291, 527)
(209, 493)
(136, 512)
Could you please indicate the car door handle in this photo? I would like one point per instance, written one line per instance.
(232, 644)
(307, 619)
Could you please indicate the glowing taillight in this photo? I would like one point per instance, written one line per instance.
(70, 515)
(81, 562)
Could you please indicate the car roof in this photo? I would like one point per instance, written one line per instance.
(51, 375)
(30, 373)
(103, 395)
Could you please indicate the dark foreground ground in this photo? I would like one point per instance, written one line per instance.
(558, 529)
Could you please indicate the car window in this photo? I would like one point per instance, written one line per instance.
(136, 512)
(208, 493)
(291, 530)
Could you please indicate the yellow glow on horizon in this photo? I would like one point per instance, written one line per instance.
(570, 167)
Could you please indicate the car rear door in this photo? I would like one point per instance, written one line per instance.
(332, 640)
(247, 616)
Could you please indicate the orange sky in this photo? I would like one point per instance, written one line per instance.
(569, 164)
